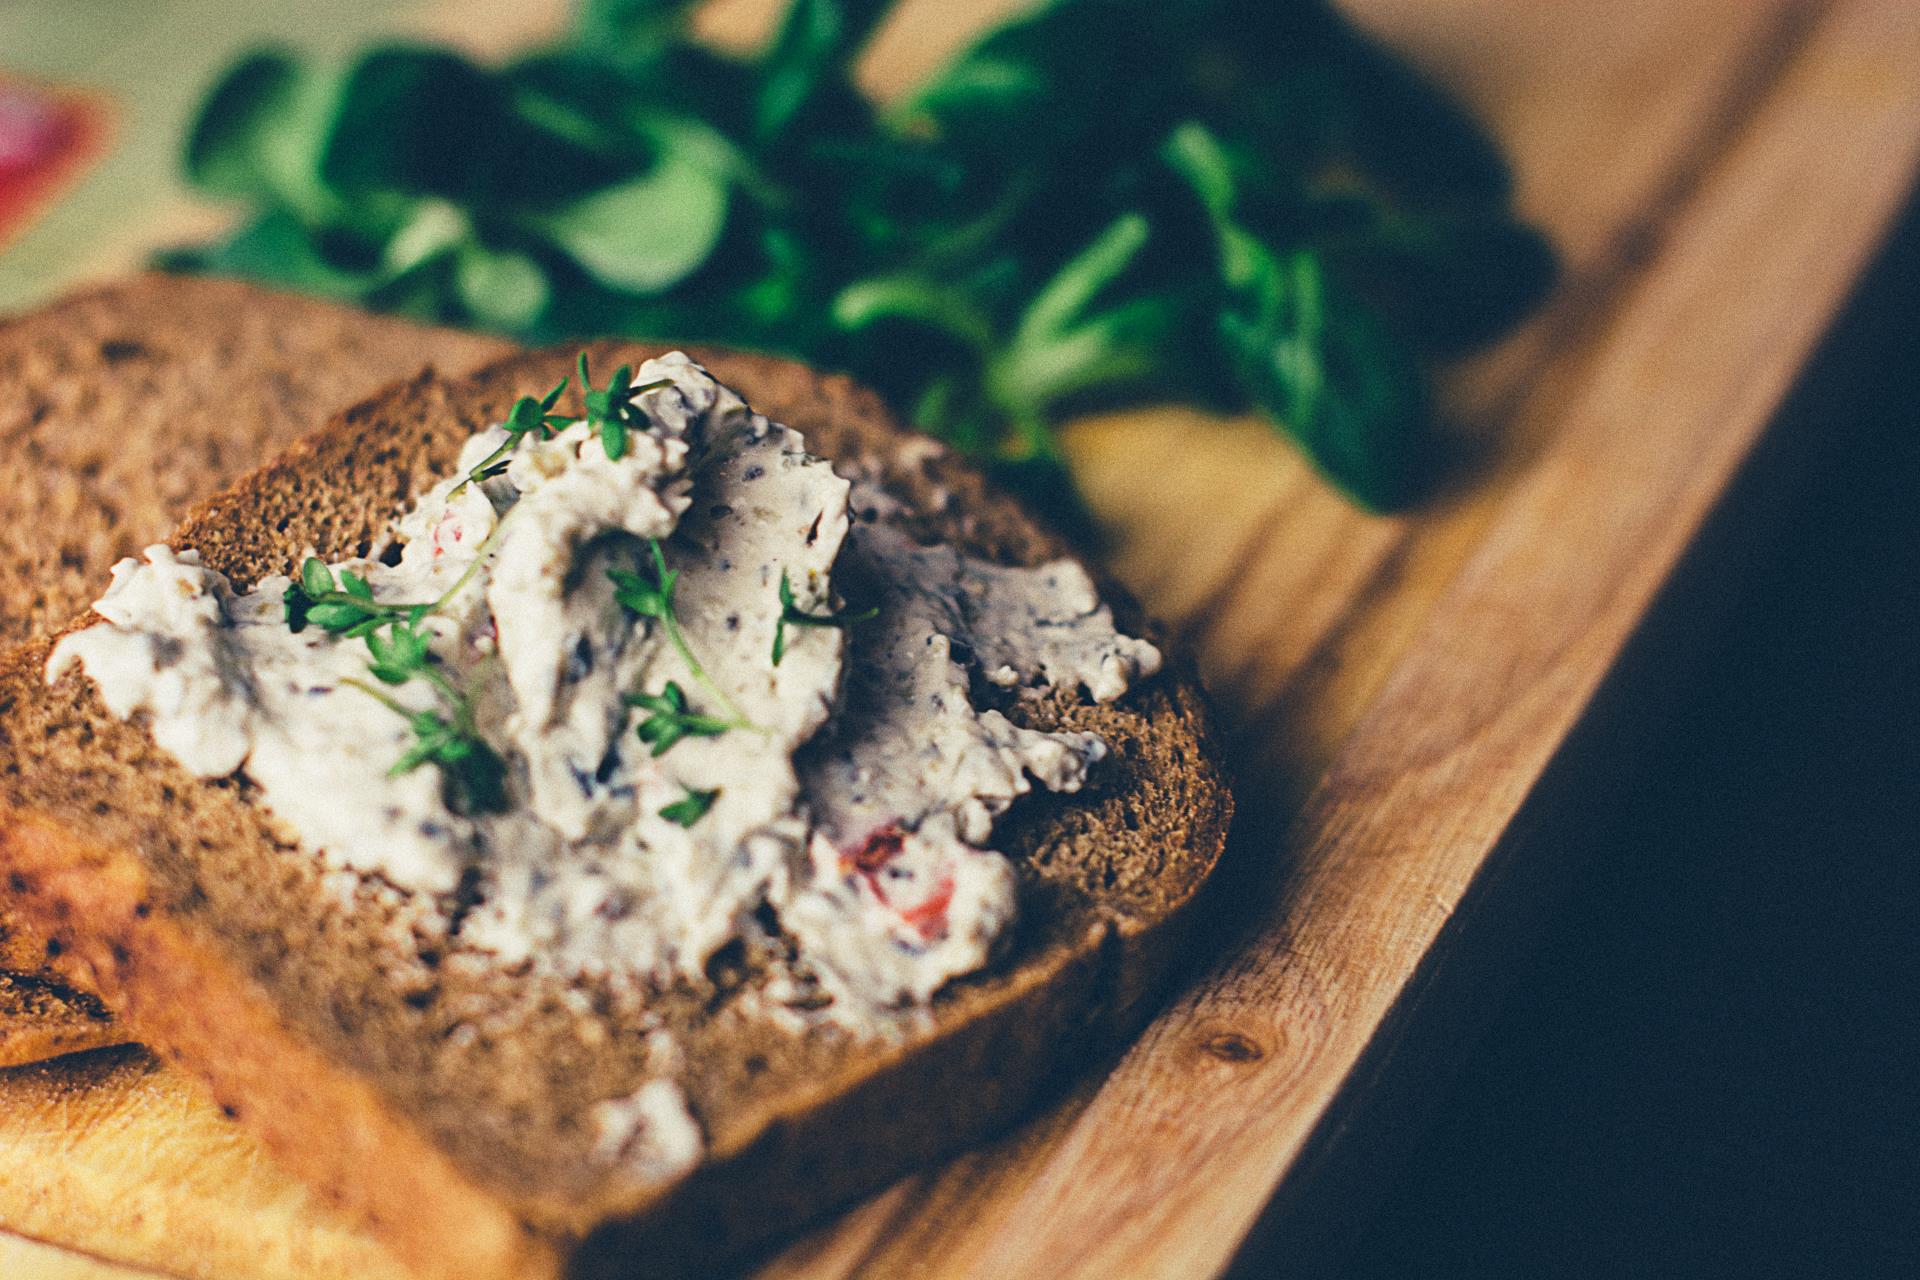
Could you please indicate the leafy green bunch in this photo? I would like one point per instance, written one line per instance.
(1239, 203)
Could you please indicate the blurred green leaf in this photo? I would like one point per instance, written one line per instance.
(1307, 350)
(1072, 80)
(917, 301)
(1329, 372)
(1459, 280)
(804, 71)
(629, 30)
(257, 135)
(227, 145)
(502, 289)
(412, 121)
(648, 233)
(433, 228)
(277, 248)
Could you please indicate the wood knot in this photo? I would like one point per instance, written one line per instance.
(1231, 1046)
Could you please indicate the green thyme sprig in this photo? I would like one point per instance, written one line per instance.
(690, 808)
(671, 719)
(653, 598)
(792, 615)
(611, 413)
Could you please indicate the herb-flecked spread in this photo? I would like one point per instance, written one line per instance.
(706, 698)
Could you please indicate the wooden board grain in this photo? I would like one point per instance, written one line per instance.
(1716, 175)
(167, 1183)
(1414, 676)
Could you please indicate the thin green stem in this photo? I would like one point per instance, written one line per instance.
(462, 709)
(486, 547)
(480, 469)
(679, 640)
(669, 616)
(382, 697)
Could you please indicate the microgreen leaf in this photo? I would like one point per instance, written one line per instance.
(671, 720)
(652, 597)
(689, 808)
(528, 417)
(792, 615)
(315, 578)
(399, 655)
(611, 411)
(472, 773)
(648, 597)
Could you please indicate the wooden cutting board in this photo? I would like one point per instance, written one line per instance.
(1717, 175)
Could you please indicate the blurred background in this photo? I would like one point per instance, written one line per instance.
(1708, 1066)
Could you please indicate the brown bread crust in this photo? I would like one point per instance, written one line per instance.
(42, 1017)
(336, 1031)
(120, 407)
(125, 405)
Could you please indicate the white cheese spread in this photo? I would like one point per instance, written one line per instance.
(649, 1135)
(850, 789)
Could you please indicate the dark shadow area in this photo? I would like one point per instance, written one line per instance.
(1709, 1068)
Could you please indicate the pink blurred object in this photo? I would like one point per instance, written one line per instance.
(34, 129)
(47, 139)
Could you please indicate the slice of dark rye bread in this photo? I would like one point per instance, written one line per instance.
(447, 1103)
(120, 407)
